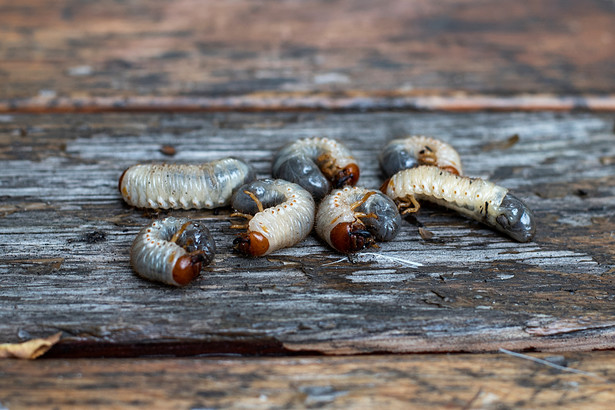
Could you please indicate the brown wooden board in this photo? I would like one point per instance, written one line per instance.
(65, 235)
(460, 381)
(50, 50)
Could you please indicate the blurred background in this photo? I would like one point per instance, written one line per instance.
(185, 50)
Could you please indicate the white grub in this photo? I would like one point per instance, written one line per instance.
(184, 186)
(279, 213)
(476, 198)
(354, 218)
(172, 250)
(317, 164)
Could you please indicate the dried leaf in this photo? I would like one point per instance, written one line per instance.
(507, 143)
(30, 349)
(425, 234)
(607, 160)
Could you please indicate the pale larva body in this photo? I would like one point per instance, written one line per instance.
(476, 198)
(280, 215)
(184, 186)
(172, 250)
(418, 150)
(353, 218)
(316, 164)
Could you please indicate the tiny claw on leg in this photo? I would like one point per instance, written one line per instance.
(408, 207)
(241, 215)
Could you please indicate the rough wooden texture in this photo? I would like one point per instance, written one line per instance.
(65, 235)
(464, 381)
(57, 50)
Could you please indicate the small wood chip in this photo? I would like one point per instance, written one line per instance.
(168, 150)
(30, 349)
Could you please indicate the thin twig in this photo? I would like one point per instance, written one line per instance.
(548, 363)
(334, 262)
(353, 258)
(473, 399)
(394, 258)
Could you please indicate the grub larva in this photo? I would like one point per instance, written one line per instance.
(280, 214)
(474, 197)
(353, 218)
(317, 164)
(184, 186)
(418, 150)
(172, 250)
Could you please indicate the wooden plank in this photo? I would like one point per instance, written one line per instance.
(65, 234)
(57, 50)
(420, 381)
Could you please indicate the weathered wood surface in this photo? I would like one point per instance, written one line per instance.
(65, 235)
(483, 381)
(68, 55)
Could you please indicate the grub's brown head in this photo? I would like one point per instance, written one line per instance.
(349, 237)
(251, 244)
(349, 175)
(187, 268)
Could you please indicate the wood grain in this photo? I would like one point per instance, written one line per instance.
(78, 51)
(481, 381)
(65, 234)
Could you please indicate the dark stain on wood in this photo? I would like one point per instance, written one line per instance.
(90, 237)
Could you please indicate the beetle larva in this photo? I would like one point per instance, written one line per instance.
(418, 150)
(474, 197)
(353, 218)
(184, 186)
(316, 164)
(172, 250)
(279, 213)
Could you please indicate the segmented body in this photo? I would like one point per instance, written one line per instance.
(476, 198)
(184, 186)
(353, 218)
(317, 164)
(280, 215)
(418, 150)
(172, 250)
